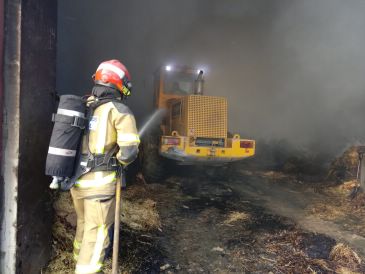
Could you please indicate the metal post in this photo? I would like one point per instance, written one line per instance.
(361, 171)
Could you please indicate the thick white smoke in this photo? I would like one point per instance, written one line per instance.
(290, 69)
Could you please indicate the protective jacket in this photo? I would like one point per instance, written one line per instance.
(93, 194)
(111, 124)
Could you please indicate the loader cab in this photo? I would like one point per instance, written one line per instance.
(172, 82)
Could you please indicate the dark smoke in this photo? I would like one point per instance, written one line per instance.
(290, 69)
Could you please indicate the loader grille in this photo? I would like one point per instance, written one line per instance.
(206, 116)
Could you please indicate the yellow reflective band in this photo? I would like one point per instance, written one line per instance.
(99, 244)
(128, 138)
(102, 129)
(97, 182)
(76, 256)
(124, 163)
(86, 269)
(76, 244)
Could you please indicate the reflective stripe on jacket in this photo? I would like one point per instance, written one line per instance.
(111, 123)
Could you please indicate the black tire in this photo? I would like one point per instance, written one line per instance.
(154, 167)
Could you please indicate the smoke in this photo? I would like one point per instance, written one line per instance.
(290, 69)
(153, 121)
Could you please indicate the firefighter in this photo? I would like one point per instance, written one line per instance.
(110, 141)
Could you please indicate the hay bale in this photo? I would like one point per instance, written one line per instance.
(63, 263)
(358, 201)
(64, 208)
(63, 234)
(345, 256)
(63, 204)
(344, 167)
(140, 214)
(236, 216)
(328, 211)
(344, 270)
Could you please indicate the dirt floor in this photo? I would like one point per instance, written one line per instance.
(253, 222)
(290, 218)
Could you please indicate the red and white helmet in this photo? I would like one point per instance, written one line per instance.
(114, 74)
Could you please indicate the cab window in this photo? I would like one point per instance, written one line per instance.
(179, 83)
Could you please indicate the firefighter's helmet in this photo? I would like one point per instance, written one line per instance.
(114, 74)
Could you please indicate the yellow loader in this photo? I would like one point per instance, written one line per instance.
(194, 128)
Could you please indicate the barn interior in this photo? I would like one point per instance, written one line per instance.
(292, 74)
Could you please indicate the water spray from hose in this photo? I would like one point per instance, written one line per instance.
(152, 120)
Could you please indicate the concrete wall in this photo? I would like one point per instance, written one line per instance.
(29, 68)
(1, 65)
(1, 79)
(38, 79)
(10, 127)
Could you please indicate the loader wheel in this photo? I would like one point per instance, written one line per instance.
(154, 167)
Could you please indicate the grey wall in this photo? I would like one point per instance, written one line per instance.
(139, 33)
(290, 69)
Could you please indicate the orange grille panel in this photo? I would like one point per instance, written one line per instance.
(206, 116)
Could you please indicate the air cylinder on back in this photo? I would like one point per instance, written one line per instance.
(69, 122)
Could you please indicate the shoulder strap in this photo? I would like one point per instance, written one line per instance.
(110, 154)
(74, 121)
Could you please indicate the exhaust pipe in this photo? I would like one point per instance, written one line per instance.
(199, 84)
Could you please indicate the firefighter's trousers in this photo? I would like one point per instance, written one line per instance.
(95, 215)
